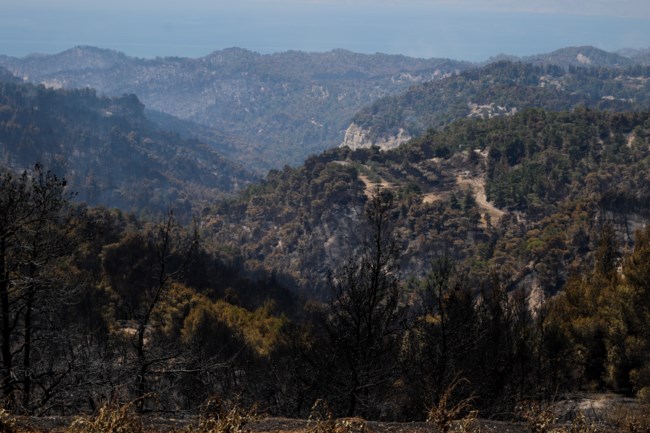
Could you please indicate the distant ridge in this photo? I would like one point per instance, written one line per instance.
(580, 56)
(75, 59)
(641, 56)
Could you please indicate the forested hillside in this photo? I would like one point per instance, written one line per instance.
(525, 194)
(108, 152)
(283, 107)
(498, 89)
(584, 56)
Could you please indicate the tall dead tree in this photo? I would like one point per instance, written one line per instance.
(33, 235)
(365, 319)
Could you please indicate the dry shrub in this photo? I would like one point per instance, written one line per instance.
(218, 416)
(447, 416)
(111, 418)
(321, 420)
(7, 422)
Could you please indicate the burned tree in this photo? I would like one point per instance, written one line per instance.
(34, 234)
(365, 320)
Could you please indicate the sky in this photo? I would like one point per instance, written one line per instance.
(460, 29)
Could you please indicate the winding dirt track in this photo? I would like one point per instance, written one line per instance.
(477, 184)
(372, 187)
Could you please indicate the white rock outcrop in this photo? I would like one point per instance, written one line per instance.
(359, 138)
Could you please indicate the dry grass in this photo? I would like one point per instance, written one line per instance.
(539, 418)
(111, 418)
(449, 415)
(581, 425)
(218, 416)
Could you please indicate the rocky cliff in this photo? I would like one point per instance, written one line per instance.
(358, 138)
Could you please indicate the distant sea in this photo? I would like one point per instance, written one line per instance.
(415, 32)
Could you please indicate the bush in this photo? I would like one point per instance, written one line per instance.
(447, 416)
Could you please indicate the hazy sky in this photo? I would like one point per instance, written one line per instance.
(460, 29)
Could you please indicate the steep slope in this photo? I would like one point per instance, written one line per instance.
(502, 88)
(108, 151)
(284, 106)
(523, 195)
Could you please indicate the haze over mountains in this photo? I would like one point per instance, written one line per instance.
(269, 110)
(283, 107)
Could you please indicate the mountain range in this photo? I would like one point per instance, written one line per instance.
(283, 107)
(118, 151)
(266, 111)
(495, 160)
